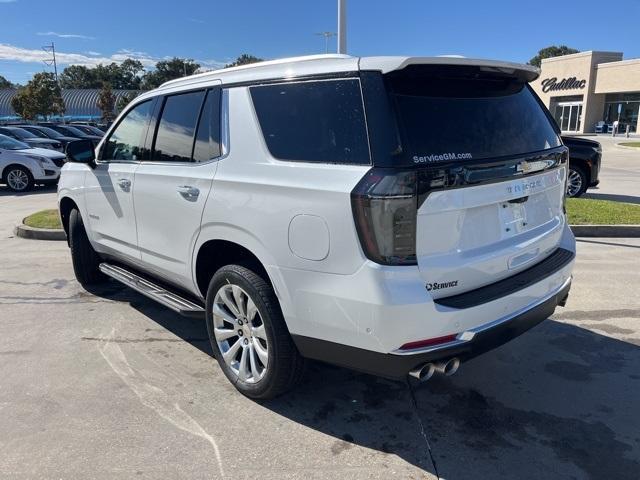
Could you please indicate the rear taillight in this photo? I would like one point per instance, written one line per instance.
(385, 208)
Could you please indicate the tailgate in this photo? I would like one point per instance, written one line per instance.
(475, 235)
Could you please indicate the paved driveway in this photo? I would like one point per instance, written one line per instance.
(114, 386)
(620, 174)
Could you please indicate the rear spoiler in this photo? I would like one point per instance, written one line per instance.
(389, 64)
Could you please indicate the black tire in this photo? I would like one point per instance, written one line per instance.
(285, 366)
(84, 258)
(22, 172)
(578, 174)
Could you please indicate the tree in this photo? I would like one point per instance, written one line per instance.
(243, 59)
(124, 76)
(168, 70)
(4, 83)
(79, 76)
(106, 102)
(124, 100)
(41, 96)
(552, 51)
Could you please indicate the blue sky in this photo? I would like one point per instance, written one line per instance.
(214, 32)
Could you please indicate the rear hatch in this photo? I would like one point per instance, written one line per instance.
(490, 171)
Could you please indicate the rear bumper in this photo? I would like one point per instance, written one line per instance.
(467, 345)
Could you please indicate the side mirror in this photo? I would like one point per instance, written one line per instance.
(81, 151)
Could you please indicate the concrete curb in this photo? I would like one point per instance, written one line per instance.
(25, 231)
(612, 231)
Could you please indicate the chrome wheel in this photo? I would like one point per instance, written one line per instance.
(17, 180)
(574, 183)
(240, 334)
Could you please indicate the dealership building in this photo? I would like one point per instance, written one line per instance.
(587, 91)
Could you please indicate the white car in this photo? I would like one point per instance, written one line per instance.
(21, 166)
(394, 215)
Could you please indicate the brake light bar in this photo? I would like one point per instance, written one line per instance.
(429, 342)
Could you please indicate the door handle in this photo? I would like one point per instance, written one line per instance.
(124, 184)
(188, 192)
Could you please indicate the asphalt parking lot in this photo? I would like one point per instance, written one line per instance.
(114, 386)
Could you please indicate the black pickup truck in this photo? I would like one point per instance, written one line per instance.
(584, 164)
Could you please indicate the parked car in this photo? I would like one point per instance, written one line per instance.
(30, 139)
(585, 157)
(89, 129)
(46, 132)
(394, 215)
(69, 131)
(22, 166)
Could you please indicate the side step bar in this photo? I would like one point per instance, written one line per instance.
(154, 292)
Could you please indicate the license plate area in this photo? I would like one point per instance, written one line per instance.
(513, 218)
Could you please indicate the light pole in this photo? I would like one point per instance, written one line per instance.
(327, 36)
(342, 26)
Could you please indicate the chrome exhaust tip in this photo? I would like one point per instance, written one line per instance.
(448, 368)
(423, 372)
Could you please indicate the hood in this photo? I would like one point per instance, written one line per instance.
(43, 152)
(42, 141)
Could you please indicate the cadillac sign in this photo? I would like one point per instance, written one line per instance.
(552, 84)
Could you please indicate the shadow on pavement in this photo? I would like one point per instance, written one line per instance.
(560, 401)
(37, 190)
(613, 197)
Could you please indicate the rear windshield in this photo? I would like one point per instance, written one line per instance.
(463, 114)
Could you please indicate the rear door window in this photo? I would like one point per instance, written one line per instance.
(176, 130)
(459, 113)
(316, 121)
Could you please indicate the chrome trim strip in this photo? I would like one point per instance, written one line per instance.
(468, 335)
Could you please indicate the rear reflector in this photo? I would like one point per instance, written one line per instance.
(429, 342)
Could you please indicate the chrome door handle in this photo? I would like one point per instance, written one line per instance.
(124, 184)
(188, 192)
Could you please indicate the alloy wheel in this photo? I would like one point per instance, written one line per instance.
(574, 183)
(240, 333)
(17, 180)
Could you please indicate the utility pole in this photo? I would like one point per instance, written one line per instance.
(52, 61)
(327, 36)
(342, 26)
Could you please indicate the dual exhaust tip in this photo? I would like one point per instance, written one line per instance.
(428, 370)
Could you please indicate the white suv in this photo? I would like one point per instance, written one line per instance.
(389, 214)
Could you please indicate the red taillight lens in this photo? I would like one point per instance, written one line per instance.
(385, 208)
(429, 342)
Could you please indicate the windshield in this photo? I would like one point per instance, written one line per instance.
(8, 143)
(95, 130)
(49, 132)
(72, 131)
(35, 131)
(463, 113)
(19, 132)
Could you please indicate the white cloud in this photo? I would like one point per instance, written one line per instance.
(26, 55)
(65, 35)
(89, 59)
(8, 1)
(91, 52)
(195, 20)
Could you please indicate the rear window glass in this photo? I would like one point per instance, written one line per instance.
(464, 114)
(319, 121)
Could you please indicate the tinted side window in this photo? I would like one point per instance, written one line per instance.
(174, 139)
(127, 140)
(321, 121)
(207, 144)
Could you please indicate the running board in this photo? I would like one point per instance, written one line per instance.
(155, 292)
